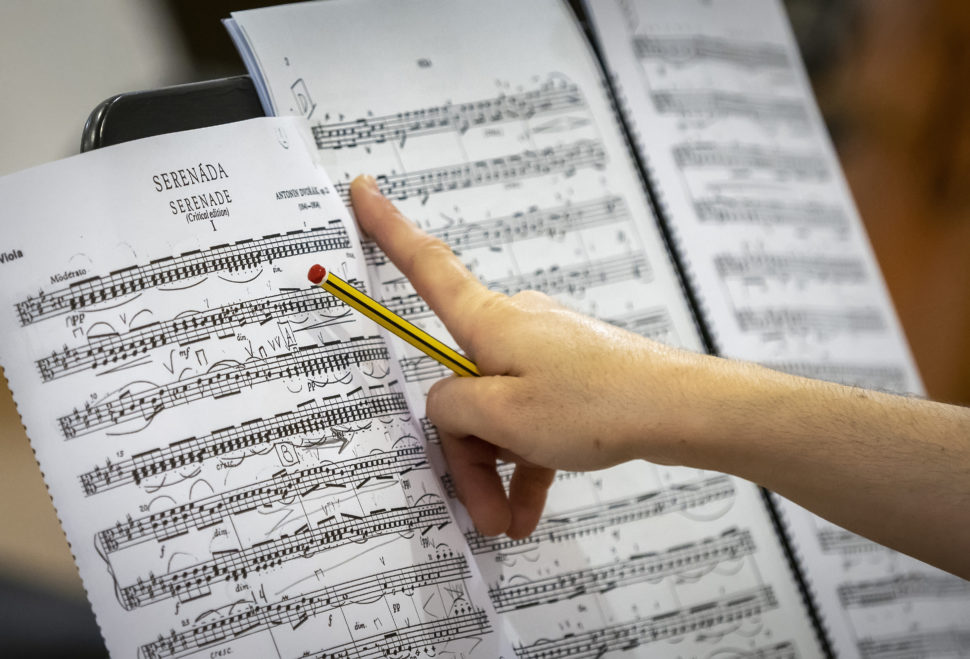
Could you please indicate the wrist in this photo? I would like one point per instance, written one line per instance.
(708, 412)
(672, 411)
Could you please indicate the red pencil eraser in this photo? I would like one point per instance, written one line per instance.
(317, 273)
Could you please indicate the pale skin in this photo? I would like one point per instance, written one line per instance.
(564, 391)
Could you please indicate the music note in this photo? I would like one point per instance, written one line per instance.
(750, 156)
(552, 97)
(260, 617)
(422, 184)
(221, 382)
(112, 350)
(755, 107)
(196, 580)
(602, 517)
(208, 511)
(687, 49)
(227, 258)
(693, 558)
(685, 623)
(906, 587)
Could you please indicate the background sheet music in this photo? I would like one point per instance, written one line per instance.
(774, 249)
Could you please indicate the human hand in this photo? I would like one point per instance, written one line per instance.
(559, 390)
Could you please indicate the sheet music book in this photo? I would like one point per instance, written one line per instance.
(243, 467)
(765, 227)
(230, 450)
(491, 126)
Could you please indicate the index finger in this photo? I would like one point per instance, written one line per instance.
(438, 276)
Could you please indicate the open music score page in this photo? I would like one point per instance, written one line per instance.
(229, 449)
(777, 256)
(488, 123)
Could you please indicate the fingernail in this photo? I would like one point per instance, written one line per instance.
(366, 181)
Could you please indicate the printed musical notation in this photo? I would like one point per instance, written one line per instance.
(535, 222)
(908, 587)
(235, 564)
(421, 184)
(569, 280)
(552, 97)
(944, 643)
(554, 281)
(791, 321)
(702, 46)
(792, 266)
(770, 212)
(835, 540)
(702, 619)
(223, 380)
(422, 369)
(247, 618)
(320, 423)
(785, 650)
(532, 223)
(693, 558)
(245, 255)
(111, 350)
(354, 473)
(423, 638)
(719, 104)
(654, 323)
(429, 430)
(602, 517)
(750, 156)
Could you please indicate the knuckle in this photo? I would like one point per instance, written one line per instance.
(490, 315)
(492, 304)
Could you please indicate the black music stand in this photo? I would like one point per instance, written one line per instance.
(134, 115)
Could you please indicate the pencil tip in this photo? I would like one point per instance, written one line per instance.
(317, 273)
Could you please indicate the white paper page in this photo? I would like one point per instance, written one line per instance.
(488, 124)
(229, 452)
(775, 251)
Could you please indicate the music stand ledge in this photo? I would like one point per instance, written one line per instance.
(133, 115)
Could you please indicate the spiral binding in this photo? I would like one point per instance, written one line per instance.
(700, 313)
(796, 562)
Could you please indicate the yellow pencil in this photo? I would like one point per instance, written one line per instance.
(386, 318)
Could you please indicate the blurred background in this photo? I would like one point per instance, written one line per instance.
(890, 76)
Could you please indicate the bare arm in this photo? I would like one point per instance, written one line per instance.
(564, 391)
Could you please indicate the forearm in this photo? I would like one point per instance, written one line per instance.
(892, 468)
